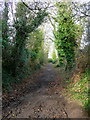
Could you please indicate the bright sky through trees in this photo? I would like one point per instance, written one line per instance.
(53, 0)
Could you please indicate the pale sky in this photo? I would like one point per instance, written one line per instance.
(81, 1)
(45, 0)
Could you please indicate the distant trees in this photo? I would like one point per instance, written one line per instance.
(34, 45)
(54, 57)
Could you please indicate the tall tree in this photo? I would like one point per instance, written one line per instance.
(66, 34)
(5, 27)
(5, 37)
(25, 22)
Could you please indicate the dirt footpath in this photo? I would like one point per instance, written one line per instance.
(44, 99)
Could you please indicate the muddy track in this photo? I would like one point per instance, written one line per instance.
(44, 99)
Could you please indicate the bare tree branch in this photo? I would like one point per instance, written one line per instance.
(37, 6)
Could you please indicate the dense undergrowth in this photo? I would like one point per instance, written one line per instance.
(79, 90)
